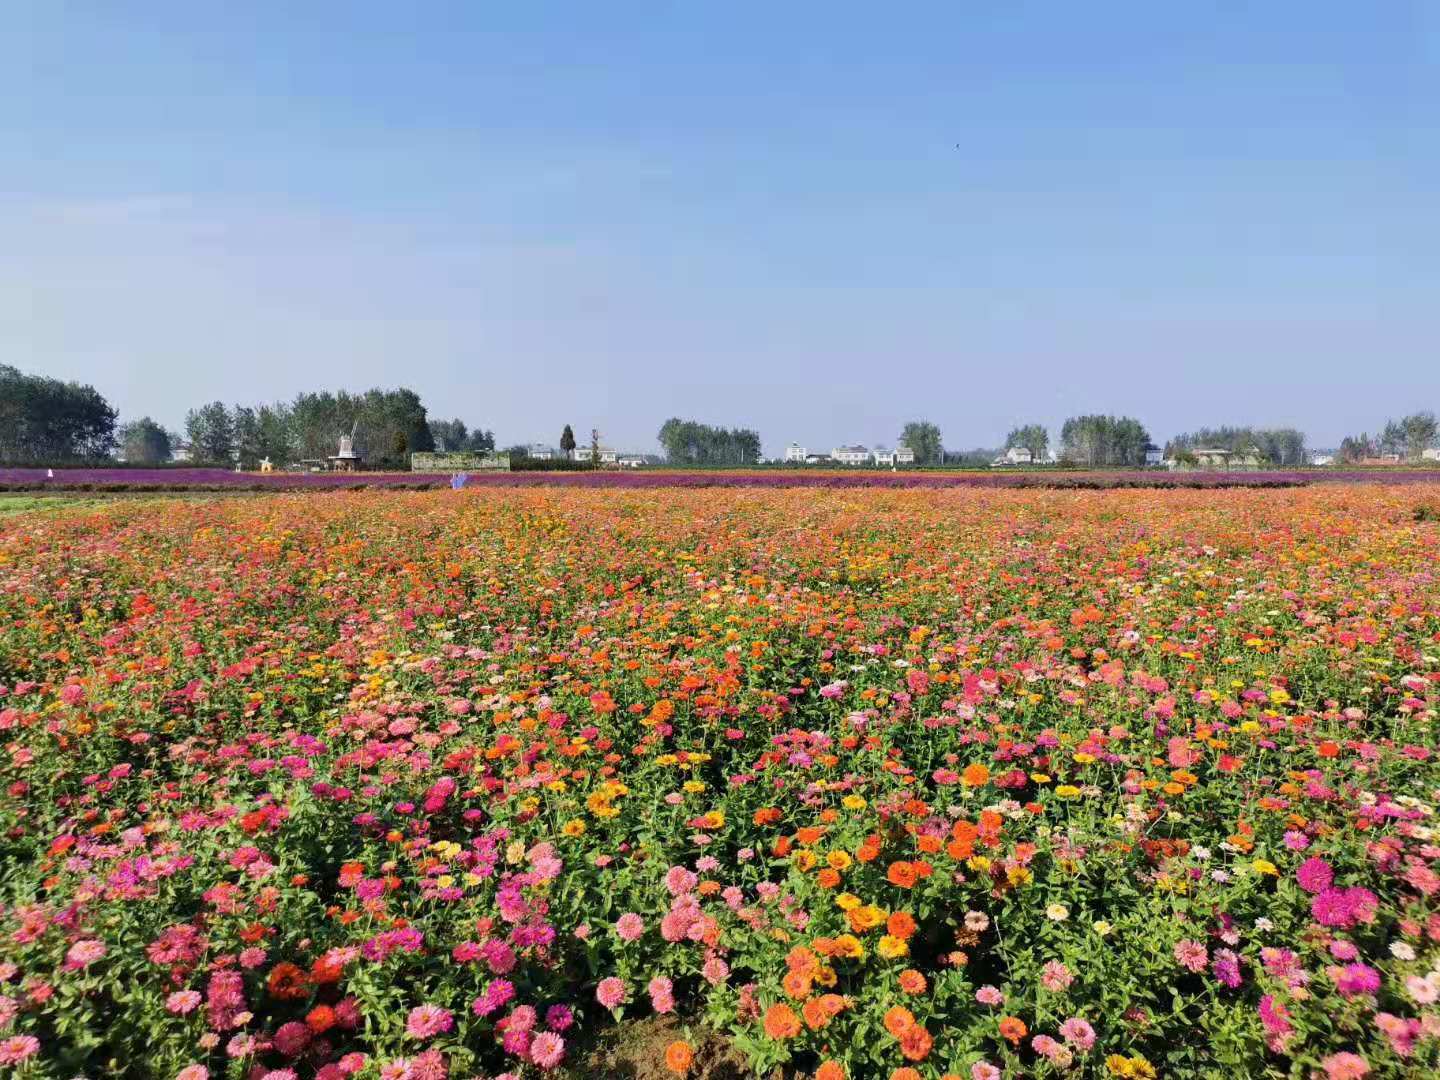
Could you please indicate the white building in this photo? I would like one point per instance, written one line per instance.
(1433, 454)
(883, 455)
(608, 455)
(1016, 455)
(630, 461)
(540, 452)
(795, 452)
(851, 455)
(1154, 455)
(904, 455)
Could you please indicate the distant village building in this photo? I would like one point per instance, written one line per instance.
(540, 452)
(904, 455)
(608, 456)
(630, 461)
(817, 459)
(795, 452)
(883, 455)
(851, 455)
(1153, 455)
(1015, 455)
(1432, 454)
(1322, 457)
(1217, 459)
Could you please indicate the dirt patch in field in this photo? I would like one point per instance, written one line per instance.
(636, 1051)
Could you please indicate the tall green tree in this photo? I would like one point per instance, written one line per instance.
(145, 442)
(688, 442)
(1032, 437)
(45, 420)
(1096, 441)
(211, 431)
(923, 438)
(567, 441)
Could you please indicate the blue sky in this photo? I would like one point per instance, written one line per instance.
(757, 214)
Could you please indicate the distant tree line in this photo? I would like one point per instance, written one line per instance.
(1032, 437)
(1408, 437)
(1275, 446)
(687, 442)
(389, 425)
(44, 419)
(456, 437)
(1104, 441)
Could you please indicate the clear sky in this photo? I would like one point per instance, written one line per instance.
(816, 219)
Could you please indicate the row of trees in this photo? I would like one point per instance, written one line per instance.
(1104, 440)
(1408, 437)
(687, 442)
(44, 419)
(1275, 446)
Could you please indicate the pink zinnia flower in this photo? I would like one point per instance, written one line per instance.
(662, 994)
(1356, 979)
(1345, 1066)
(183, 1002)
(547, 1050)
(989, 995)
(1078, 1033)
(292, 1038)
(983, 1070)
(629, 926)
(1191, 955)
(193, 1072)
(18, 1048)
(611, 992)
(84, 953)
(426, 1021)
(1055, 977)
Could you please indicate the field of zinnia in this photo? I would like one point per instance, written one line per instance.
(857, 783)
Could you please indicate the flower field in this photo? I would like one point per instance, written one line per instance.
(902, 784)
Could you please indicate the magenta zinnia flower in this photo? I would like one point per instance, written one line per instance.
(1314, 874)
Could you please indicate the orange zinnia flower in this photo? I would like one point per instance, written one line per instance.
(781, 1022)
(901, 924)
(678, 1057)
(1013, 1029)
(899, 1020)
(830, 1070)
(901, 874)
(915, 1044)
(976, 775)
(912, 982)
(796, 983)
(287, 981)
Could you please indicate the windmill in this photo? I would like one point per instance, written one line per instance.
(347, 460)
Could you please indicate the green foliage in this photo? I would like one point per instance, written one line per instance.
(1033, 437)
(1104, 441)
(46, 420)
(144, 442)
(687, 442)
(211, 431)
(923, 438)
(1275, 446)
